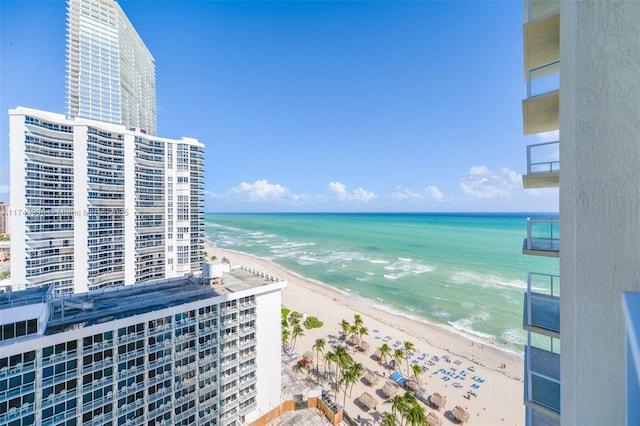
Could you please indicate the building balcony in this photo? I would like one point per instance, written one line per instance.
(541, 108)
(541, 32)
(542, 380)
(543, 166)
(543, 237)
(542, 305)
(631, 309)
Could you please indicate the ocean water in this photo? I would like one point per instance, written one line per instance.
(463, 271)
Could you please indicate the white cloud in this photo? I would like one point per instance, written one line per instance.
(430, 193)
(339, 190)
(404, 194)
(360, 194)
(485, 184)
(261, 190)
(434, 193)
(479, 171)
(551, 136)
(341, 193)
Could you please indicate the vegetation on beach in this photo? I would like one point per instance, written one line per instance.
(408, 408)
(292, 327)
(312, 322)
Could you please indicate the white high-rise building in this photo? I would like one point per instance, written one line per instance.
(99, 205)
(581, 61)
(110, 71)
(100, 200)
(178, 352)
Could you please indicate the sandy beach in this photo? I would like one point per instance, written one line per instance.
(496, 399)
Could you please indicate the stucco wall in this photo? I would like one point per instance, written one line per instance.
(599, 202)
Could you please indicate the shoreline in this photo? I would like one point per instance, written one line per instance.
(496, 401)
(366, 303)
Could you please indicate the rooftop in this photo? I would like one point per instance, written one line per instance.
(99, 306)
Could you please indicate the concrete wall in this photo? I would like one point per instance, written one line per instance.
(269, 349)
(599, 202)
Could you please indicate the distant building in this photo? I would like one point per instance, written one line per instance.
(177, 352)
(98, 199)
(110, 71)
(581, 65)
(4, 219)
(98, 205)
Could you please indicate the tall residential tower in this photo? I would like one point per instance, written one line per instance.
(98, 200)
(110, 71)
(581, 62)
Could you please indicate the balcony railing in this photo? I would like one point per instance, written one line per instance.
(631, 309)
(543, 79)
(543, 158)
(537, 8)
(542, 304)
(543, 235)
(542, 379)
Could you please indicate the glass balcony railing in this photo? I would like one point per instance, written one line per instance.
(542, 378)
(543, 234)
(543, 158)
(542, 303)
(537, 8)
(543, 79)
(631, 310)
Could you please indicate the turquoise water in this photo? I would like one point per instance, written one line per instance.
(465, 271)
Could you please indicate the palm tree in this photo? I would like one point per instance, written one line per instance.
(344, 359)
(354, 330)
(363, 331)
(357, 370)
(398, 406)
(385, 351)
(398, 354)
(285, 338)
(330, 357)
(346, 329)
(417, 371)
(319, 347)
(389, 419)
(415, 416)
(295, 333)
(349, 377)
(357, 320)
(409, 347)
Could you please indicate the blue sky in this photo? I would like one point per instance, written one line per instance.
(317, 105)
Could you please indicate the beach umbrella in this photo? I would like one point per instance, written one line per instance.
(378, 354)
(433, 419)
(460, 414)
(308, 357)
(364, 346)
(437, 401)
(353, 340)
(371, 378)
(368, 401)
(389, 390)
(412, 383)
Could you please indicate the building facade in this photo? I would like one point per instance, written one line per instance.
(5, 219)
(541, 34)
(98, 205)
(594, 379)
(110, 71)
(175, 352)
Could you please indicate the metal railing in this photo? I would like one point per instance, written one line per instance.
(545, 77)
(543, 234)
(547, 150)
